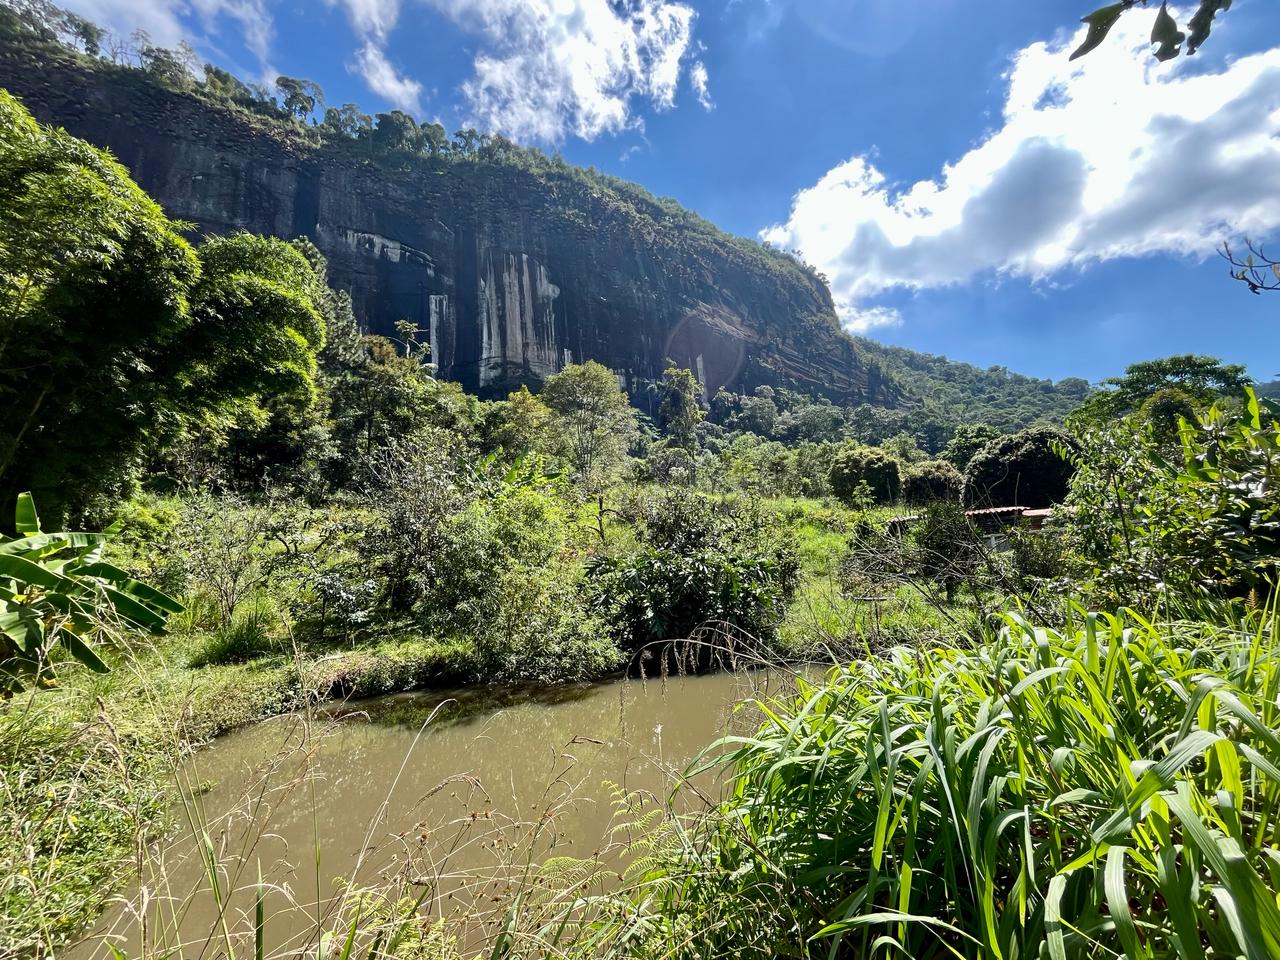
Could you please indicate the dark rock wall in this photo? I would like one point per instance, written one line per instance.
(511, 274)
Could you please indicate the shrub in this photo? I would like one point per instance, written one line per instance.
(1024, 470)
(697, 563)
(1101, 790)
(1207, 525)
(247, 637)
(930, 481)
(855, 465)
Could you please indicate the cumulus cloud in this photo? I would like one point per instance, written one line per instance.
(547, 67)
(1110, 156)
(385, 80)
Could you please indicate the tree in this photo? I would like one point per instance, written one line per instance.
(1165, 35)
(932, 481)
(595, 421)
(1026, 469)
(855, 465)
(1202, 379)
(300, 96)
(518, 424)
(225, 86)
(395, 132)
(349, 121)
(114, 340)
(680, 412)
(1164, 411)
(968, 439)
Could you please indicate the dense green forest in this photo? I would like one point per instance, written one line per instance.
(1048, 730)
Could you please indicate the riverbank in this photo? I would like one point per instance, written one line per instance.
(89, 768)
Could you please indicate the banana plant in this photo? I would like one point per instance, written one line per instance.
(58, 598)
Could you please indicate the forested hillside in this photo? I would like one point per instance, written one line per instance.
(508, 262)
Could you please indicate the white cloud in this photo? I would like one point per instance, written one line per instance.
(860, 320)
(1111, 156)
(547, 67)
(384, 80)
(168, 22)
(698, 77)
(371, 18)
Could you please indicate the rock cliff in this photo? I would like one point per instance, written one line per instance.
(510, 273)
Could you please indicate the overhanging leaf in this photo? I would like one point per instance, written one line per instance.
(1166, 36)
(1100, 23)
(1202, 22)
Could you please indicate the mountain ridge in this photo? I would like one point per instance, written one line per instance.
(510, 266)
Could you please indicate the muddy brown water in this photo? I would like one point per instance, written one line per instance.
(453, 797)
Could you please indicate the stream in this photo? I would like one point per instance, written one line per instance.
(457, 796)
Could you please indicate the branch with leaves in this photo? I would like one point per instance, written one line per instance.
(1255, 270)
(1168, 39)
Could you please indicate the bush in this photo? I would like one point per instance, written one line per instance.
(1142, 527)
(930, 481)
(1103, 790)
(247, 637)
(697, 563)
(1023, 470)
(856, 465)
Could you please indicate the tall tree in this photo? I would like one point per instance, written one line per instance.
(596, 422)
(1166, 36)
(680, 412)
(113, 339)
(300, 97)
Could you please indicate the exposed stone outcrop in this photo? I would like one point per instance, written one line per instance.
(509, 273)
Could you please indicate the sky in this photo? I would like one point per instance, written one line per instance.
(966, 189)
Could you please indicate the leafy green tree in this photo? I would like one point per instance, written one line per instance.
(1167, 38)
(222, 85)
(301, 97)
(680, 412)
(595, 421)
(395, 132)
(1164, 411)
(1144, 526)
(1027, 469)
(968, 439)
(855, 465)
(348, 121)
(517, 425)
(1202, 379)
(932, 481)
(114, 340)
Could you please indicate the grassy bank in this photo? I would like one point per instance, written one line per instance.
(88, 769)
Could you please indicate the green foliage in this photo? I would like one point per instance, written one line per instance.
(1205, 525)
(698, 563)
(1027, 469)
(58, 594)
(1099, 789)
(680, 411)
(933, 480)
(960, 393)
(968, 439)
(1201, 380)
(595, 420)
(855, 465)
(114, 338)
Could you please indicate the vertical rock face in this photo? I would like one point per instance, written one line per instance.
(510, 274)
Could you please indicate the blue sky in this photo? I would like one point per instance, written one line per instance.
(966, 189)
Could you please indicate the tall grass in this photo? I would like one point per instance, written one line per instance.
(1108, 789)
